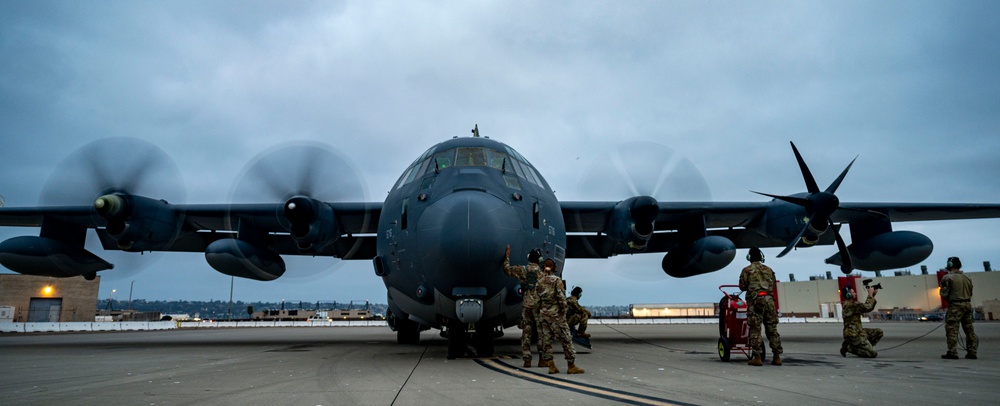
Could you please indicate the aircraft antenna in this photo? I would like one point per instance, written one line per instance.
(475, 131)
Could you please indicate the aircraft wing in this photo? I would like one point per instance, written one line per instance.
(604, 229)
(200, 225)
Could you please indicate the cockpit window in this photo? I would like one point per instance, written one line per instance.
(496, 159)
(510, 163)
(471, 157)
(444, 159)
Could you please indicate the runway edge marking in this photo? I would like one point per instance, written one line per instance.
(586, 389)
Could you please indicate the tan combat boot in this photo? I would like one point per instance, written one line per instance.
(542, 363)
(776, 360)
(573, 369)
(582, 333)
(552, 367)
(527, 363)
(755, 361)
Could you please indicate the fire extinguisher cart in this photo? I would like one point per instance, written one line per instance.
(734, 333)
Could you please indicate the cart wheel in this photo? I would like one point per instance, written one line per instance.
(724, 349)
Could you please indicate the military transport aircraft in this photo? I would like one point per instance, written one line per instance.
(438, 239)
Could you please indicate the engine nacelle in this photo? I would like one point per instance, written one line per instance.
(138, 223)
(892, 250)
(813, 232)
(42, 256)
(708, 254)
(240, 258)
(313, 226)
(632, 223)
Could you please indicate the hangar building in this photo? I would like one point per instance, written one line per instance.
(40, 299)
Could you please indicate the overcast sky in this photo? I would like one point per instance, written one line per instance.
(910, 87)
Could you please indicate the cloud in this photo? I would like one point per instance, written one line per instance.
(909, 87)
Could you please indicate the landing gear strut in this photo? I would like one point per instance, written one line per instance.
(458, 336)
(485, 340)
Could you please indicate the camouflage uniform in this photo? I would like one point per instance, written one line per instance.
(529, 276)
(577, 314)
(552, 318)
(758, 281)
(956, 288)
(857, 340)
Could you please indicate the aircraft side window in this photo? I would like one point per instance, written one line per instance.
(444, 159)
(512, 182)
(495, 159)
(417, 170)
(513, 166)
(538, 179)
(427, 183)
(405, 178)
(530, 173)
(423, 168)
(515, 154)
(403, 216)
(471, 157)
(522, 172)
(535, 212)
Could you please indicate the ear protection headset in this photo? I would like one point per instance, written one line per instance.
(535, 256)
(758, 252)
(954, 262)
(848, 294)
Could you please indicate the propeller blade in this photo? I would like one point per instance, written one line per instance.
(836, 183)
(795, 240)
(811, 186)
(845, 256)
(790, 199)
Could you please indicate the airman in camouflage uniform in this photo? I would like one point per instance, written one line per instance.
(858, 340)
(577, 315)
(956, 288)
(552, 319)
(758, 281)
(529, 276)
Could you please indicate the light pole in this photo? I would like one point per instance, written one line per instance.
(110, 299)
(231, 279)
(130, 295)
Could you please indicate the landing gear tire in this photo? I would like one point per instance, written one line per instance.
(407, 331)
(485, 341)
(458, 337)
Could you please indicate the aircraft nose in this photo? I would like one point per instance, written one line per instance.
(467, 231)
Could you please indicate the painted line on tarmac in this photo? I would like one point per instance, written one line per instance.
(586, 389)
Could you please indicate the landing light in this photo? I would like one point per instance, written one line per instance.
(47, 291)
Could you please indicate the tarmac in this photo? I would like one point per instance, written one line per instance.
(629, 364)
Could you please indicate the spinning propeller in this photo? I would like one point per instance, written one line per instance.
(642, 168)
(300, 169)
(122, 165)
(819, 205)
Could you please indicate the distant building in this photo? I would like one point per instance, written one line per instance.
(301, 315)
(40, 299)
(903, 297)
(660, 310)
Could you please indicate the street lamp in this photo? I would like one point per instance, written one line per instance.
(110, 298)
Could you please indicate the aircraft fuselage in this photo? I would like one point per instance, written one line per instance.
(444, 227)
